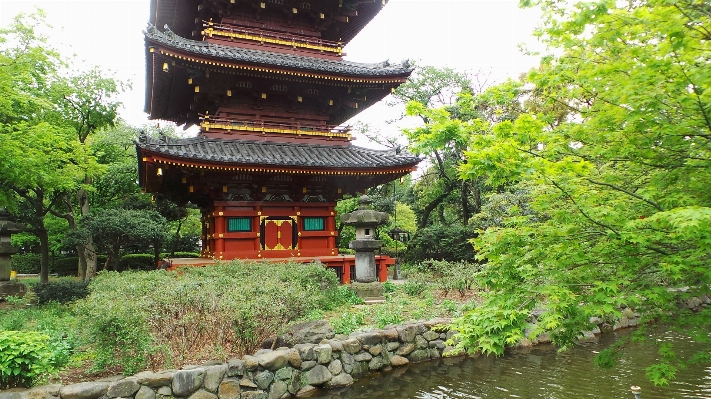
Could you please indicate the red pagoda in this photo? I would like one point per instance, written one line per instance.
(266, 82)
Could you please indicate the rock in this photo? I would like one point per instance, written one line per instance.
(348, 362)
(406, 349)
(335, 367)
(263, 379)
(51, 389)
(363, 357)
(368, 338)
(306, 351)
(251, 363)
(544, 338)
(185, 382)
(438, 343)
(284, 373)
(307, 390)
(203, 394)
(351, 346)
(450, 351)
(430, 335)
(336, 346)
(390, 335)
(623, 322)
(420, 342)
(419, 355)
(439, 321)
(633, 322)
(397, 361)
(597, 331)
(247, 383)
(211, 363)
(294, 383)
(434, 353)
(165, 391)
(308, 365)
(236, 367)
(451, 334)
(360, 368)
(273, 360)
(277, 390)
(155, 380)
(693, 302)
(443, 336)
(144, 393)
(323, 353)
(254, 395)
(596, 320)
(376, 363)
(84, 390)
(229, 389)
(392, 346)
(32, 394)
(587, 336)
(376, 350)
(628, 312)
(309, 332)
(339, 381)
(10, 395)
(262, 351)
(706, 298)
(214, 376)
(292, 356)
(123, 388)
(319, 375)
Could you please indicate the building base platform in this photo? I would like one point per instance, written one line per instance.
(343, 265)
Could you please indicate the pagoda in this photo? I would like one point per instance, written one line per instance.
(266, 82)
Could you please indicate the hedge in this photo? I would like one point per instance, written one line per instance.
(69, 266)
(26, 263)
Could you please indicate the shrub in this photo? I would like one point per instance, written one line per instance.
(440, 242)
(348, 322)
(179, 254)
(24, 358)
(162, 319)
(339, 296)
(70, 265)
(26, 263)
(61, 291)
(137, 262)
(416, 284)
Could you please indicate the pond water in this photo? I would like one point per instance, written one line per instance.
(538, 372)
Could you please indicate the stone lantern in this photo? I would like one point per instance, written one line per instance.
(7, 229)
(365, 221)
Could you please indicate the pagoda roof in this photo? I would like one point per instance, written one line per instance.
(266, 153)
(273, 59)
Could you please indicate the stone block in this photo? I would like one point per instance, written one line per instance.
(392, 346)
(263, 379)
(203, 394)
(376, 363)
(308, 365)
(292, 355)
(335, 367)
(251, 363)
(420, 342)
(254, 395)
(348, 362)
(273, 360)
(295, 383)
(247, 383)
(229, 389)
(84, 390)
(407, 333)
(323, 353)
(306, 391)
(406, 349)
(360, 368)
(434, 353)
(319, 375)
(368, 338)
(123, 388)
(145, 393)
(186, 382)
(363, 357)
(306, 351)
(430, 335)
(390, 335)
(376, 350)
(284, 373)
(236, 367)
(336, 346)
(165, 391)
(438, 343)
(351, 346)
(214, 376)
(397, 361)
(339, 381)
(419, 355)
(277, 390)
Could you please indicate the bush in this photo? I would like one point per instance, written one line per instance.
(70, 265)
(416, 283)
(25, 357)
(449, 243)
(61, 291)
(449, 276)
(26, 263)
(137, 262)
(162, 319)
(179, 254)
(348, 322)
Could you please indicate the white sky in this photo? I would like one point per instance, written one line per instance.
(467, 35)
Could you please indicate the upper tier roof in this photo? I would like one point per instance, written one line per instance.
(267, 58)
(265, 153)
(180, 15)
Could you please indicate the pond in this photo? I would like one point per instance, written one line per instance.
(538, 372)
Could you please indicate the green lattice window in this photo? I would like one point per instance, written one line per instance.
(239, 224)
(314, 224)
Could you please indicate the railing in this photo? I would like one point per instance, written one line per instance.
(208, 122)
(215, 29)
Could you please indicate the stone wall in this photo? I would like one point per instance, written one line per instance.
(331, 362)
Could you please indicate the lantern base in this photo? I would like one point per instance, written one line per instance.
(12, 288)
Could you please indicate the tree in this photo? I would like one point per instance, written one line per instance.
(115, 229)
(621, 210)
(40, 162)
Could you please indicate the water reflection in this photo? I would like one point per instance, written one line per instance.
(539, 372)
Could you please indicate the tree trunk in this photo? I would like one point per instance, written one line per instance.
(176, 238)
(433, 205)
(41, 232)
(89, 251)
(81, 268)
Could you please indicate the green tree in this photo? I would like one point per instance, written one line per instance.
(616, 162)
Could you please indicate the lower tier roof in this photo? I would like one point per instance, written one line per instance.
(266, 153)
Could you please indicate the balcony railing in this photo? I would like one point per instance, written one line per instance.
(295, 41)
(297, 128)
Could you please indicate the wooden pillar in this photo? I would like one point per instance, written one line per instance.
(331, 226)
(383, 276)
(220, 231)
(346, 271)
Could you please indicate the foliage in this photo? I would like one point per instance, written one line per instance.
(67, 266)
(26, 263)
(338, 296)
(449, 276)
(442, 242)
(164, 319)
(25, 358)
(137, 262)
(614, 157)
(416, 284)
(348, 322)
(181, 255)
(61, 291)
